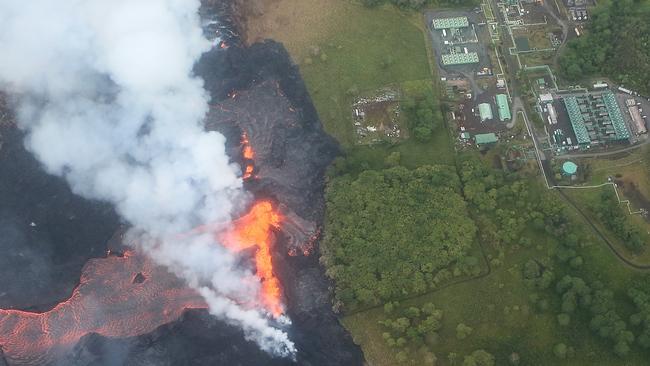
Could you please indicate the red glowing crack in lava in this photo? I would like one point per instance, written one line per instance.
(111, 302)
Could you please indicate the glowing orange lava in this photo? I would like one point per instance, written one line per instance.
(255, 229)
(249, 155)
(108, 301)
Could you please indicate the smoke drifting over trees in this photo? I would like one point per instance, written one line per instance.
(108, 101)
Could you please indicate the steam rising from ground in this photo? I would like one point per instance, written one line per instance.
(109, 103)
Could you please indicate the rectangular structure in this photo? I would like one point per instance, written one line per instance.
(577, 122)
(446, 23)
(460, 58)
(596, 118)
(485, 111)
(503, 107)
(486, 138)
(639, 122)
(616, 116)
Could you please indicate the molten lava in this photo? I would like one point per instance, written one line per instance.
(255, 229)
(249, 155)
(116, 297)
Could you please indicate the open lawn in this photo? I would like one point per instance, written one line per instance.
(367, 50)
(586, 198)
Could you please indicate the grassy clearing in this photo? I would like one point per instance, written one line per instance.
(585, 198)
(370, 48)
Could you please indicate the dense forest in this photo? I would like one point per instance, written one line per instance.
(389, 232)
(616, 44)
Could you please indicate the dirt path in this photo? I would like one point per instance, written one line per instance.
(621, 257)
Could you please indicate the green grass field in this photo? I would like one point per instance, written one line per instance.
(371, 48)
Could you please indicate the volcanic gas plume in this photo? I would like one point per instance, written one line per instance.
(108, 100)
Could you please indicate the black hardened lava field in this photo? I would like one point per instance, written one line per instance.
(47, 233)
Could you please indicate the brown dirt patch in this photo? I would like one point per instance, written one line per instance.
(297, 24)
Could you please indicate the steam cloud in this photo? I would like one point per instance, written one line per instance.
(108, 101)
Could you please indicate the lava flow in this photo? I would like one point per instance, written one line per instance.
(255, 229)
(117, 297)
(248, 154)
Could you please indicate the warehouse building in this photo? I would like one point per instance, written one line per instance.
(485, 111)
(503, 108)
(596, 118)
(635, 114)
(483, 139)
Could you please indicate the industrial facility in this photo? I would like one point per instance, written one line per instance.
(456, 31)
(450, 23)
(460, 58)
(596, 118)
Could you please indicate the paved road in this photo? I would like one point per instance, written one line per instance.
(605, 153)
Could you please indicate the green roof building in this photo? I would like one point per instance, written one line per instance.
(596, 118)
(620, 130)
(569, 168)
(485, 111)
(486, 138)
(460, 58)
(503, 108)
(577, 122)
(446, 23)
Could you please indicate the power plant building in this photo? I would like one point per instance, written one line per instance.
(596, 118)
(450, 23)
(460, 58)
(503, 108)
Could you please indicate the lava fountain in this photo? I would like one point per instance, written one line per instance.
(255, 229)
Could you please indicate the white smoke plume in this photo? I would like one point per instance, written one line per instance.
(109, 102)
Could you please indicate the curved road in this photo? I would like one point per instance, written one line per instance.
(642, 267)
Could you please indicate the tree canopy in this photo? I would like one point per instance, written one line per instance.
(390, 231)
(615, 44)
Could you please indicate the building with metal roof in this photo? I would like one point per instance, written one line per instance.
(446, 23)
(615, 115)
(485, 111)
(503, 108)
(460, 58)
(569, 168)
(596, 118)
(486, 138)
(577, 122)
